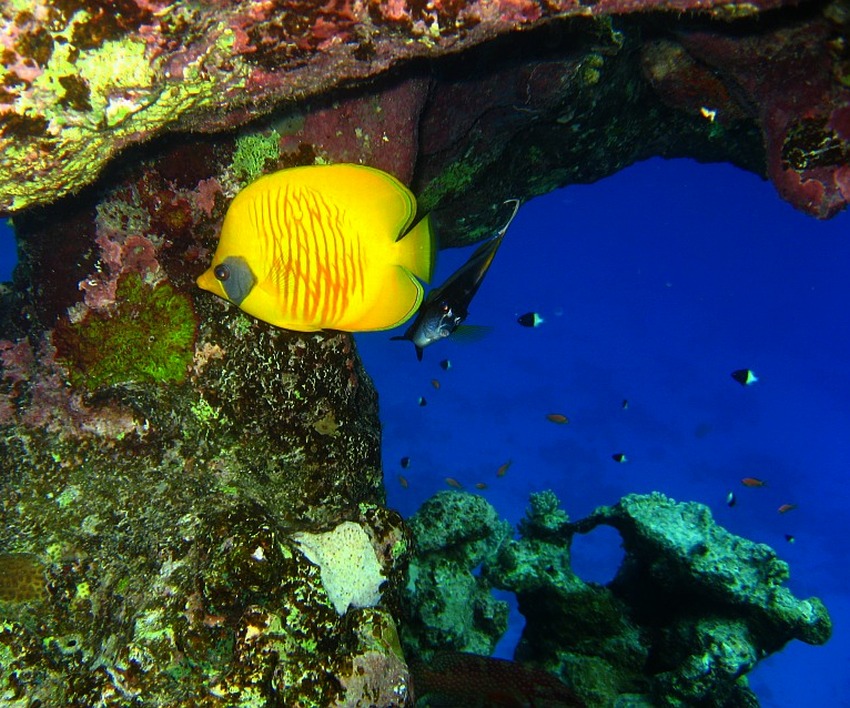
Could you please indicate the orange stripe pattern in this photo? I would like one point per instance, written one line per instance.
(316, 271)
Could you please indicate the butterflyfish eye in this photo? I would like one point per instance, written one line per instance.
(235, 277)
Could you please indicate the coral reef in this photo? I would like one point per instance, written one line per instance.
(791, 78)
(678, 559)
(447, 606)
(691, 611)
(166, 458)
(172, 466)
(81, 82)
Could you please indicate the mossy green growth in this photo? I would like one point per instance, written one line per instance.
(252, 151)
(147, 336)
(455, 179)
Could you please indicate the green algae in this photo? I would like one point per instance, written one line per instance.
(252, 152)
(147, 336)
(454, 180)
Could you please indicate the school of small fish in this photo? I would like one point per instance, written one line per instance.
(342, 247)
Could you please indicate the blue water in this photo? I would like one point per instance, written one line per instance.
(654, 285)
(7, 251)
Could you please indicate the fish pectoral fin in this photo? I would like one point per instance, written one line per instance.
(279, 274)
(277, 280)
(400, 297)
(471, 333)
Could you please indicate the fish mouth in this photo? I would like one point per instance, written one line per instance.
(208, 281)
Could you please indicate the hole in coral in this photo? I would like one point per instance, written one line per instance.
(516, 623)
(597, 556)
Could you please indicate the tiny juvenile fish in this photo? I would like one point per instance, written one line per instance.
(558, 418)
(753, 482)
(503, 469)
(530, 319)
(745, 377)
(447, 306)
(405, 462)
(452, 482)
(402, 480)
(620, 457)
(323, 247)
(785, 508)
(730, 499)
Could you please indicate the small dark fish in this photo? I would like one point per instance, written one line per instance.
(530, 319)
(745, 377)
(730, 499)
(402, 480)
(789, 538)
(785, 508)
(452, 679)
(405, 462)
(558, 418)
(452, 482)
(503, 469)
(619, 457)
(625, 404)
(422, 401)
(753, 482)
(435, 384)
(480, 485)
(447, 306)
(446, 364)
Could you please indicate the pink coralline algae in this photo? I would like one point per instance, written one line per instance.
(80, 81)
(34, 396)
(795, 85)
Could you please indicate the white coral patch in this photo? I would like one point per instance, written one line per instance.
(351, 572)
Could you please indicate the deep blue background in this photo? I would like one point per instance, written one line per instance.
(655, 284)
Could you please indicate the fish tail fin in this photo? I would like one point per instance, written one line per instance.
(418, 249)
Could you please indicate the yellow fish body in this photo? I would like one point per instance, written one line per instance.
(318, 247)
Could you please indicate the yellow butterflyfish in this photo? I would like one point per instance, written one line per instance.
(323, 247)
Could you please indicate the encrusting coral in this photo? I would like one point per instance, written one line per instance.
(146, 336)
(691, 611)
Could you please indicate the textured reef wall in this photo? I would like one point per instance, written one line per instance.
(186, 492)
(192, 500)
(691, 611)
(515, 96)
